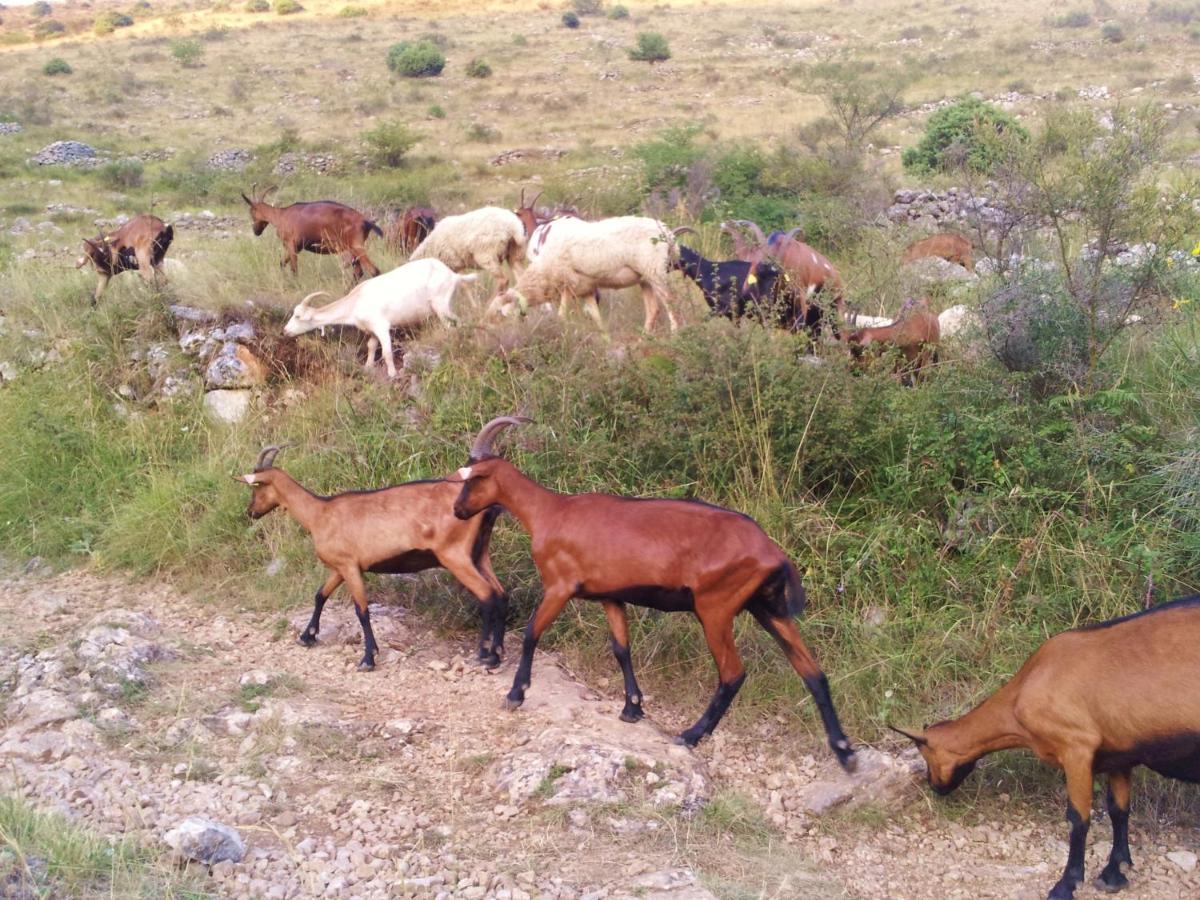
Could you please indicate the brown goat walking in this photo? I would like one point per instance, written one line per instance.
(1098, 700)
(139, 245)
(951, 247)
(406, 528)
(670, 555)
(915, 334)
(319, 226)
(408, 229)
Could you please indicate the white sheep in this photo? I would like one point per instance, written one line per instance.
(481, 239)
(410, 295)
(577, 258)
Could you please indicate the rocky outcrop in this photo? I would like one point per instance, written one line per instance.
(233, 159)
(936, 209)
(525, 154)
(10, 128)
(67, 153)
(318, 163)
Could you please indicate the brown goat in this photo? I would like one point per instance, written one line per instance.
(810, 273)
(1097, 700)
(951, 247)
(320, 226)
(528, 214)
(670, 555)
(915, 333)
(140, 244)
(408, 229)
(406, 528)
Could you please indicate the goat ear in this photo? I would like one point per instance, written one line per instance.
(919, 739)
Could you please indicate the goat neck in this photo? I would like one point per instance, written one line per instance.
(989, 727)
(522, 496)
(303, 505)
(339, 312)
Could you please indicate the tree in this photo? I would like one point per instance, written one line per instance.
(651, 47)
(958, 136)
(858, 99)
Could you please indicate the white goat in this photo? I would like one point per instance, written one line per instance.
(481, 239)
(577, 258)
(403, 297)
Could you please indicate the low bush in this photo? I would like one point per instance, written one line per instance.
(352, 12)
(416, 59)
(477, 68)
(258, 6)
(588, 7)
(1112, 32)
(286, 7)
(122, 173)
(570, 20)
(48, 28)
(107, 23)
(651, 47)
(187, 52)
(1076, 18)
(57, 66)
(961, 136)
(389, 142)
(618, 12)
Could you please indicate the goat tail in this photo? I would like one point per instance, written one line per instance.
(793, 590)
(468, 279)
(371, 226)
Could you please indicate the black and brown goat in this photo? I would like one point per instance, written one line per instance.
(407, 230)
(731, 286)
(319, 226)
(1097, 700)
(670, 555)
(406, 528)
(138, 245)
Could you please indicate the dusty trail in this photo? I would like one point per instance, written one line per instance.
(132, 707)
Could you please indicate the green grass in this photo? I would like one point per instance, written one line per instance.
(51, 856)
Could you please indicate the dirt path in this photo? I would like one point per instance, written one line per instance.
(135, 707)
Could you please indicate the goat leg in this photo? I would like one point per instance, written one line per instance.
(718, 632)
(546, 613)
(1112, 879)
(359, 591)
(1079, 811)
(308, 637)
(619, 626)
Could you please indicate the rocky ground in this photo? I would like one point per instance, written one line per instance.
(133, 708)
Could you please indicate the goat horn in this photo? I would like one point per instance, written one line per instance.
(247, 199)
(536, 198)
(758, 232)
(269, 189)
(521, 202)
(684, 229)
(918, 739)
(266, 458)
(482, 447)
(792, 233)
(304, 302)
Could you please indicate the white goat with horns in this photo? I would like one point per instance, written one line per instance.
(405, 297)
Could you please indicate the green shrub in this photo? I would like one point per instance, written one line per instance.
(959, 136)
(41, 9)
(519, 40)
(416, 59)
(588, 7)
(1173, 13)
(618, 12)
(482, 133)
(477, 68)
(107, 23)
(1112, 32)
(57, 66)
(121, 173)
(187, 52)
(1076, 18)
(388, 142)
(651, 47)
(570, 20)
(352, 12)
(258, 6)
(286, 7)
(435, 112)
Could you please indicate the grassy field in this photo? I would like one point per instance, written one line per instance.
(944, 530)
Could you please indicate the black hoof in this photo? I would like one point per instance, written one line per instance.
(367, 665)
(488, 660)
(687, 740)
(1062, 891)
(306, 640)
(1111, 881)
(845, 756)
(510, 703)
(632, 714)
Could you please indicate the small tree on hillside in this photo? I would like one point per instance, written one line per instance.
(416, 59)
(957, 136)
(651, 47)
(858, 99)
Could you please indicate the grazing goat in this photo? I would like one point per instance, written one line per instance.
(320, 226)
(406, 231)
(670, 555)
(406, 528)
(951, 247)
(140, 244)
(808, 271)
(578, 258)
(1101, 699)
(481, 239)
(404, 297)
(728, 286)
(915, 333)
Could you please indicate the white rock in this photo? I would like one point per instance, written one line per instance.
(206, 841)
(1185, 859)
(228, 407)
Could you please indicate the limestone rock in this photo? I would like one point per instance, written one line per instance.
(66, 153)
(234, 366)
(229, 407)
(1185, 859)
(879, 779)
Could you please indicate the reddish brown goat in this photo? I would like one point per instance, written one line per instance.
(810, 272)
(670, 555)
(411, 227)
(915, 334)
(320, 226)
(528, 214)
(406, 528)
(951, 247)
(140, 245)
(1098, 700)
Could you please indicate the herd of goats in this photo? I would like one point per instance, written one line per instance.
(1097, 700)
(555, 255)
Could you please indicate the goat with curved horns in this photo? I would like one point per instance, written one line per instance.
(1100, 699)
(319, 226)
(406, 528)
(671, 555)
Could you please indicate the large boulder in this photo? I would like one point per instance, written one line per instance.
(234, 366)
(227, 407)
(66, 153)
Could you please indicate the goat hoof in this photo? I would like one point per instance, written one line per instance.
(633, 714)
(1111, 882)
(367, 665)
(510, 704)
(488, 660)
(685, 740)
(307, 640)
(846, 756)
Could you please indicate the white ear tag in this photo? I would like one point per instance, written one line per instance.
(249, 479)
(464, 473)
